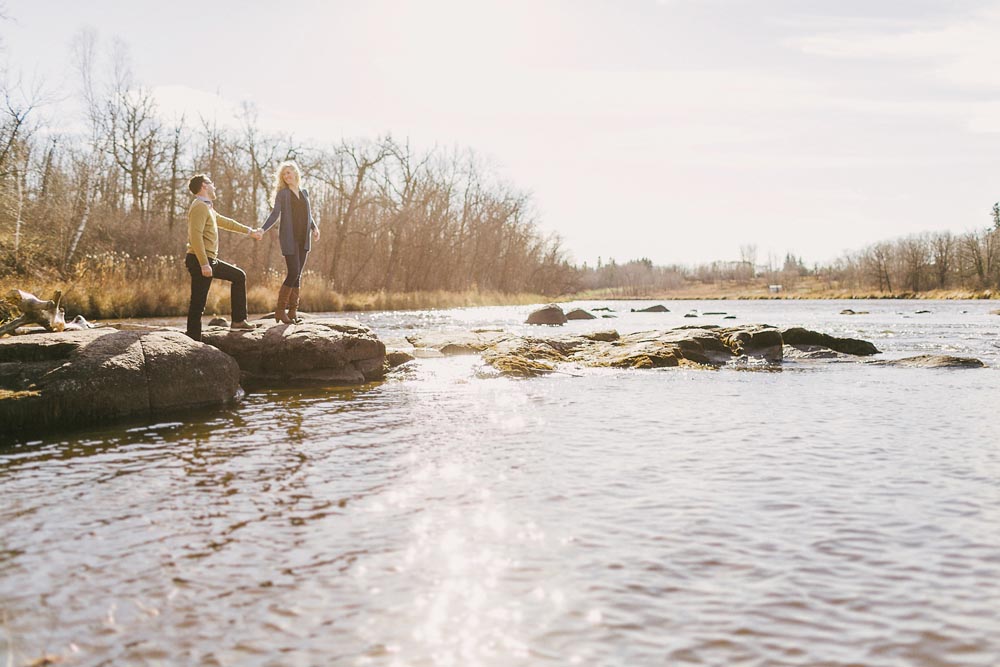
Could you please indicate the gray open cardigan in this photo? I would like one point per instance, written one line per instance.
(283, 211)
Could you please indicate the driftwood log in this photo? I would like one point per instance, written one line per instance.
(35, 311)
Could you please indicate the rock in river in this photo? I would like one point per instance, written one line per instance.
(550, 314)
(797, 336)
(451, 343)
(696, 346)
(933, 361)
(708, 346)
(76, 378)
(580, 314)
(321, 351)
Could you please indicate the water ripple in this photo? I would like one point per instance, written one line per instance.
(842, 515)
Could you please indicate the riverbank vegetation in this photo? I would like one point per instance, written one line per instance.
(115, 286)
(938, 265)
(100, 213)
(76, 206)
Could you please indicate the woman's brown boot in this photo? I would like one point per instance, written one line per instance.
(293, 305)
(279, 310)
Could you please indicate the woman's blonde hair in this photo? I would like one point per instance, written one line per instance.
(279, 182)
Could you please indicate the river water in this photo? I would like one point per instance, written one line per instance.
(829, 514)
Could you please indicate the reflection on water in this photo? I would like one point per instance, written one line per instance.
(831, 514)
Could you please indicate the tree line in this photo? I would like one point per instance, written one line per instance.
(937, 261)
(919, 263)
(393, 218)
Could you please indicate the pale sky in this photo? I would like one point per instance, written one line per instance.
(677, 130)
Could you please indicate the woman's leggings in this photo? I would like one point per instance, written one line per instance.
(295, 264)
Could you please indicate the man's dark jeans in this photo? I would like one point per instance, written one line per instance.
(199, 291)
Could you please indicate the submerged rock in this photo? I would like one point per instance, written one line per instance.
(523, 357)
(75, 378)
(457, 342)
(658, 308)
(932, 361)
(810, 352)
(396, 358)
(321, 351)
(580, 314)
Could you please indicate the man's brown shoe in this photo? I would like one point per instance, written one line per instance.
(243, 326)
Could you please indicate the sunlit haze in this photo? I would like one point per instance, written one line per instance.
(677, 130)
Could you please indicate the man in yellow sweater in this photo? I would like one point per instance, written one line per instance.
(202, 259)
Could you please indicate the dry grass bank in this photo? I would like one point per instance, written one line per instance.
(804, 289)
(161, 288)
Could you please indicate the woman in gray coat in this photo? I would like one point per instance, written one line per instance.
(296, 230)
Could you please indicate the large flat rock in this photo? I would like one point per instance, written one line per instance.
(321, 351)
(73, 378)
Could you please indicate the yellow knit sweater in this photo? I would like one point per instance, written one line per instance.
(203, 230)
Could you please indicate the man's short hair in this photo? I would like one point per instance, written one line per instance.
(194, 185)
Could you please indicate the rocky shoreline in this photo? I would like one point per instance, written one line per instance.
(57, 380)
(76, 378)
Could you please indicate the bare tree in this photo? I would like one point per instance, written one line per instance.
(914, 253)
(942, 253)
(258, 151)
(174, 185)
(84, 50)
(14, 152)
(748, 257)
(400, 199)
(881, 259)
(980, 251)
(134, 133)
(347, 174)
